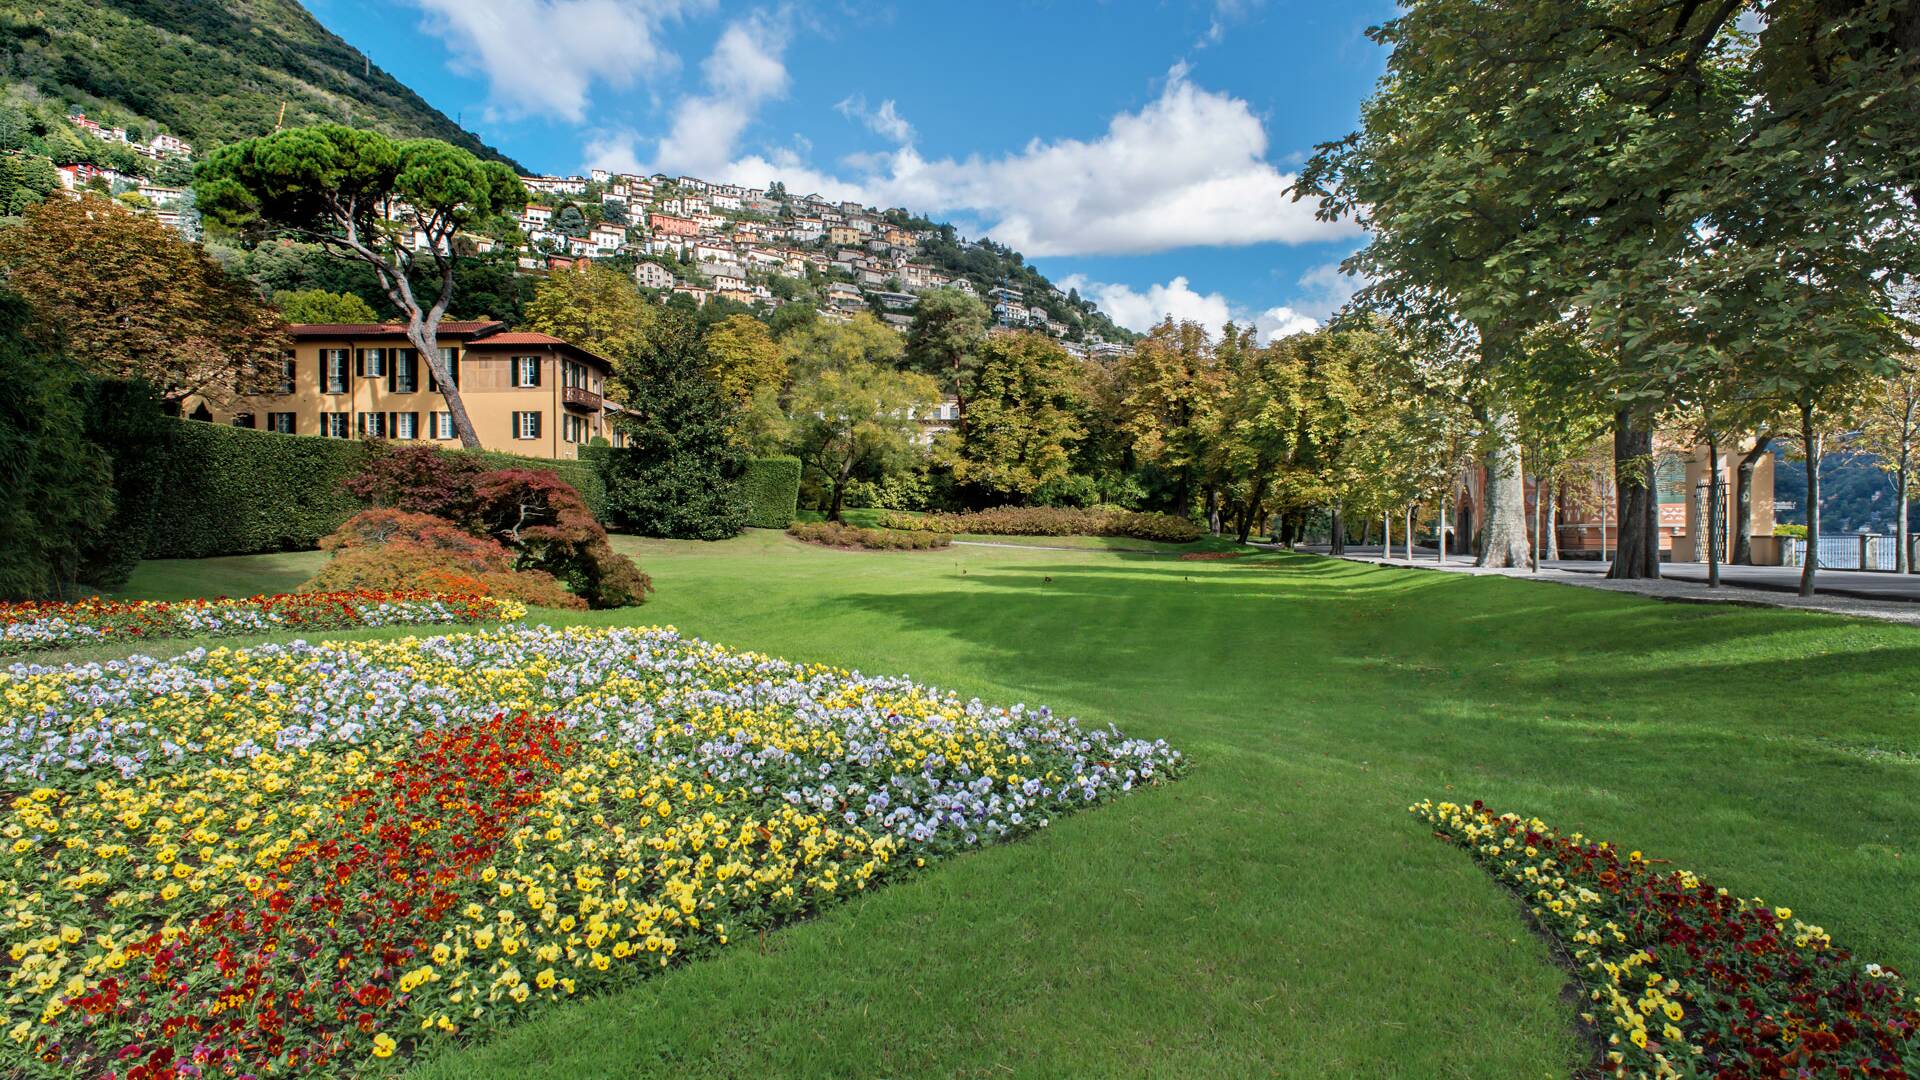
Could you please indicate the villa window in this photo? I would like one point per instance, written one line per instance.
(526, 425)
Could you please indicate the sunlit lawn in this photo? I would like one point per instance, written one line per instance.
(1277, 911)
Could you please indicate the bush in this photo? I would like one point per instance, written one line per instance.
(393, 550)
(837, 534)
(771, 488)
(1798, 532)
(237, 491)
(537, 514)
(420, 480)
(1054, 521)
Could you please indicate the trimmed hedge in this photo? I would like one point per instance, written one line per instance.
(1053, 521)
(840, 535)
(237, 491)
(771, 487)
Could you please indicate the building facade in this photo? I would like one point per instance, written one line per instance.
(525, 393)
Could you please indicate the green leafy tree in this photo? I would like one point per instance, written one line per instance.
(1025, 420)
(679, 474)
(570, 221)
(321, 306)
(58, 489)
(946, 340)
(598, 309)
(335, 186)
(750, 369)
(854, 416)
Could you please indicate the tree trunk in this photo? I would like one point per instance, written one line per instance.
(1810, 568)
(1386, 534)
(1901, 562)
(1713, 511)
(1250, 509)
(1337, 540)
(1504, 539)
(1636, 551)
(1539, 531)
(1440, 527)
(1553, 524)
(426, 341)
(839, 497)
(1743, 501)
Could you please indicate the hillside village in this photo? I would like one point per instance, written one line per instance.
(685, 236)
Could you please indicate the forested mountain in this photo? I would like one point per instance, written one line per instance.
(209, 71)
(1856, 495)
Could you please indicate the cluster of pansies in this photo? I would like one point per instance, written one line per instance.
(329, 857)
(30, 625)
(1686, 979)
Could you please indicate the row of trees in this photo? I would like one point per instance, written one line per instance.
(1648, 213)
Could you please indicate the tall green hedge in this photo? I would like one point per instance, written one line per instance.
(771, 487)
(238, 491)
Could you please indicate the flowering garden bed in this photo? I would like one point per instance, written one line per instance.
(33, 625)
(1685, 979)
(329, 857)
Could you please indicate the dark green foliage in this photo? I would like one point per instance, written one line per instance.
(54, 491)
(679, 474)
(235, 491)
(126, 421)
(771, 489)
(24, 180)
(211, 72)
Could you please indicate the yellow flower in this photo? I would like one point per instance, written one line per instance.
(383, 1045)
(1674, 1011)
(1783, 913)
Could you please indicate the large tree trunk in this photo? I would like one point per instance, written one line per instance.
(426, 341)
(1902, 564)
(1337, 539)
(1504, 540)
(1743, 501)
(1251, 510)
(1810, 566)
(1713, 511)
(1636, 552)
(1553, 524)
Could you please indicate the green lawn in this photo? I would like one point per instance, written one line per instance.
(1276, 911)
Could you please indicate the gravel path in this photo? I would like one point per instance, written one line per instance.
(1675, 590)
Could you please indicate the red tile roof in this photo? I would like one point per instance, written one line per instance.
(529, 339)
(334, 330)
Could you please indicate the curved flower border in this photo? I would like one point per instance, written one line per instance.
(34, 625)
(1692, 980)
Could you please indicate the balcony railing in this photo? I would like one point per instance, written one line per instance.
(580, 398)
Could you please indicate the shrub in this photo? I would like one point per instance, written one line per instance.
(771, 488)
(583, 475)
(1054, 521)
(388, 549)
(544, 519)
(838, 534)
(420, 480)
(1798, 532)
(237, 491)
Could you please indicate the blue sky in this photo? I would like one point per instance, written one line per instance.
(1140, 151)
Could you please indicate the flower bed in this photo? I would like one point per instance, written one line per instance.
(329, 857)
(837, 534)
(25, 627)
(1053, 521)
(1687, 980)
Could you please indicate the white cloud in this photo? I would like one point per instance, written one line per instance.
(1188, 169)
(542, 57)
(1142, 310)
(744, 71)
(884, 121)
(1325, 289)
(616, 151)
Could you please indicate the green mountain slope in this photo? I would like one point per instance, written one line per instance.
(210, 71)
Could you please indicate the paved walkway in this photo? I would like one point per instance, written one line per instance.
(1892, 597)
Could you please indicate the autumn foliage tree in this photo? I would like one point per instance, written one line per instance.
(1023, 423)
(131, 300)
